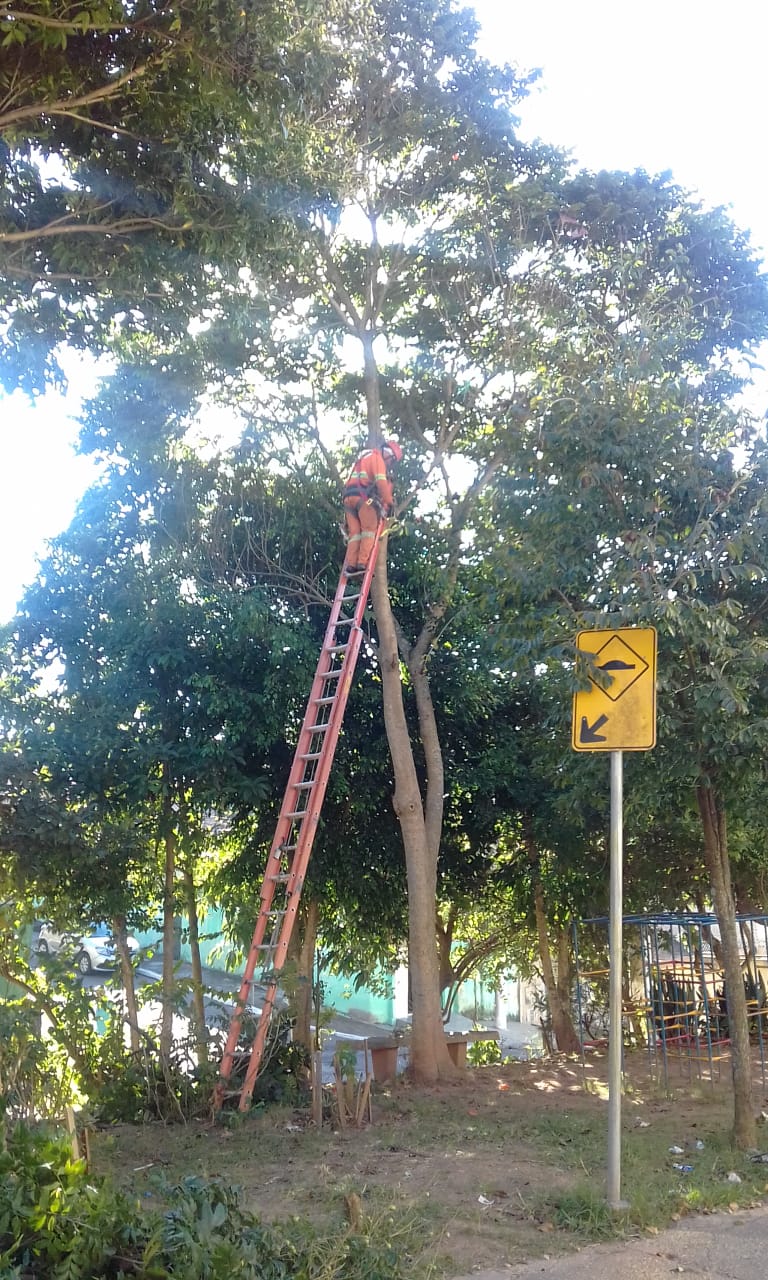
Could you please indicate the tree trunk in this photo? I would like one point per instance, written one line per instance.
(129, 987)
(429, 1060)
(557, 987)
(429, 1057)
(198, 992)
(716, 853)
(371, 388)
(566, 1035)
(169, 922)
(302, 956)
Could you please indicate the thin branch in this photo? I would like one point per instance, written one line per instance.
(62, 226)
(351, 318)
(63, 24)
(99, 124)
(12, 91)
(53, 1010)
(476, 488)
(65, 105)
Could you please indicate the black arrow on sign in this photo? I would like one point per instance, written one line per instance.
(588, 732)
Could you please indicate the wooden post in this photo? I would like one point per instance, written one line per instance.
(369, 1077)
(363, 1100)
(72, 1127)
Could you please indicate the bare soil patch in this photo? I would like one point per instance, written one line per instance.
(482, 1164)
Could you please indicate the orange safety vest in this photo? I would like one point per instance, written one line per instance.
(369, 479)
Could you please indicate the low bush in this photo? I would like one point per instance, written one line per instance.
(57, 1223)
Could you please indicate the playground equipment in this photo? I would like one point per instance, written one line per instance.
(675, 1001)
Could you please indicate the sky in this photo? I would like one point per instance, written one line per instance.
(666, 84)
(675, 85)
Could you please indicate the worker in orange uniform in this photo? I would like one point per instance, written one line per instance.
(367, 497)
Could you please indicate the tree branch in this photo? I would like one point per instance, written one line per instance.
(77, 27)
(65, 105)
(351, 317)
(63, 226)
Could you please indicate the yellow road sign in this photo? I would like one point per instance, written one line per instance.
(621, 716)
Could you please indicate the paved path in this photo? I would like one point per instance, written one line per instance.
(720, 1246)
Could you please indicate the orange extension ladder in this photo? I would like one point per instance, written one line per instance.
(296, 826)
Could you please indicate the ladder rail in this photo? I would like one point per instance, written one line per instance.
(296, 827)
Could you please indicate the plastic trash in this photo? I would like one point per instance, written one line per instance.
(686, 1168)
(675, 1151)
(733, 1176)
(760, 1158)
(699, 1145)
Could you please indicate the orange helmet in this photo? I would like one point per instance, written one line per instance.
(394, 449)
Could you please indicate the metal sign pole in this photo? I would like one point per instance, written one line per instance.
(615, 711)
(615, 1038)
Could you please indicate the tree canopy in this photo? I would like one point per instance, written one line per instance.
(314, 221)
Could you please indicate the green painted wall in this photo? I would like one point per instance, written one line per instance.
(475, 1000)
(341, 994)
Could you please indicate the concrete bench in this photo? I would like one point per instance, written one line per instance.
(458, 1041)
(384, 1050)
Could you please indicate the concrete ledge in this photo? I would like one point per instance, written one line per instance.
(472, 1037)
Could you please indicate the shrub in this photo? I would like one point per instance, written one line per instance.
(484, 1053)
(57, 1224)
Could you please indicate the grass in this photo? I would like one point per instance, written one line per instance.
(657, 1193)
(496, 1170)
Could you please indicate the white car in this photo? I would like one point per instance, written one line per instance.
(92, 950)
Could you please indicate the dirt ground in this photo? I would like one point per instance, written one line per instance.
(480, 1165)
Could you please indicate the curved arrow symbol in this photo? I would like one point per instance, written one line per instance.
(588, 732)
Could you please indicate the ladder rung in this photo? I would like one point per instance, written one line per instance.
(332, 675)
(318, 728)
(303, 814)
(305, 786)
(311, 755)
(345, 622)
(323, 702)
(337, 648)
(281, 877)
